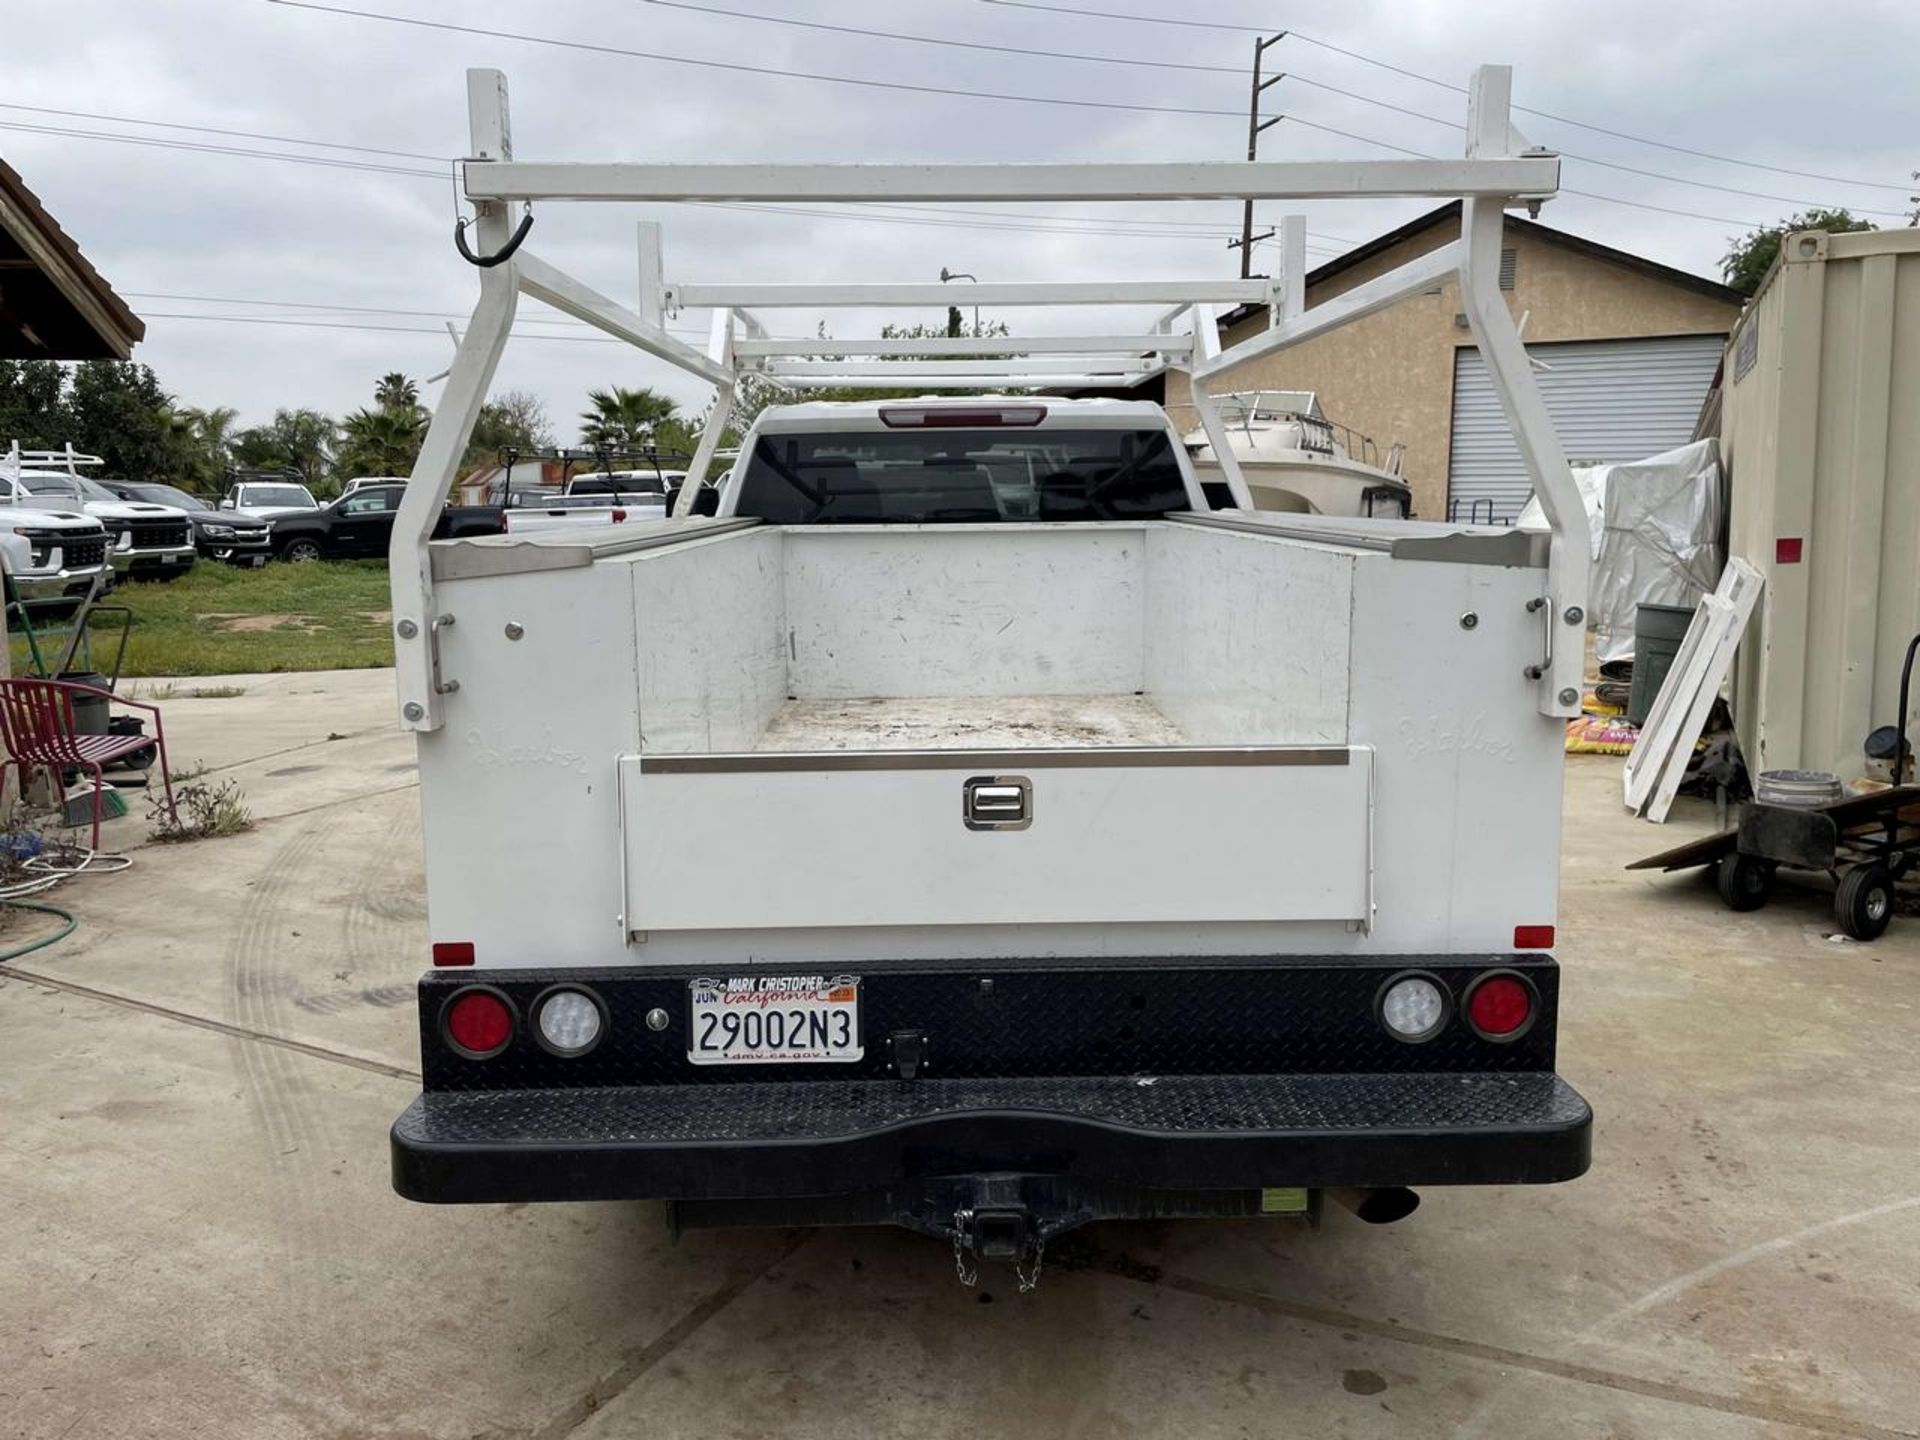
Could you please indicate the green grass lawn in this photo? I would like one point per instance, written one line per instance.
(221, 620)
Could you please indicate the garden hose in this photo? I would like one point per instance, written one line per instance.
(6, 956)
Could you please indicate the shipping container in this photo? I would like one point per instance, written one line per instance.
(1820, 433)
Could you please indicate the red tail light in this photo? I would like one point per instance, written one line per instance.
(1501, 1005)
(619, 516)
(453, 952)
(477, 1022)
(1533, 937)
(943, 417)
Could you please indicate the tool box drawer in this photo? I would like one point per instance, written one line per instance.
(1180, 834)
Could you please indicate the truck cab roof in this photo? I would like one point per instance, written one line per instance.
(1054, 412)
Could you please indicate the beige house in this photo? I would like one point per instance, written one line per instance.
(1625, 352)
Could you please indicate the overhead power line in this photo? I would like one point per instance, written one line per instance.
(920, 89)
(1366, 59)
(217, 130)
(872, 34)
(1298, 78)
(1024, 222)
(1061, 225)
(1142, 19)
(1564, 189)
(457, 317)
(738, 67)
(923, 39)
(363, 325)
(967, 94)
(1132, 222)
(327, 162)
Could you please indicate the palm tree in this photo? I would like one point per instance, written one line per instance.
(396, 392)
(213, 428)
(381, 442)
(618, 418)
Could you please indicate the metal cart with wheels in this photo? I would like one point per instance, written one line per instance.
(1865, 842)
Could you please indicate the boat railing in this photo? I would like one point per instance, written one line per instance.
(1318, 434)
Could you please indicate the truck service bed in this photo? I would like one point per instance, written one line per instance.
(979, 824)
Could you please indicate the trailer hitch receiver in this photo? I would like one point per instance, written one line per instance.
(1006, 1234)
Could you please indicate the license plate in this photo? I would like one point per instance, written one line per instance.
(774, 1019)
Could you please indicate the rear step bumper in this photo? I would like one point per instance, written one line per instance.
(821, 1138)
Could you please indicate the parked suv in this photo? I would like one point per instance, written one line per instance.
(267, 499)
(225, 535)
(153, 542)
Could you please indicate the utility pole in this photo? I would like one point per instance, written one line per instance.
(1254, 126)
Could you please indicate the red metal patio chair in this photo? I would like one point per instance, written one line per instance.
(37, 725)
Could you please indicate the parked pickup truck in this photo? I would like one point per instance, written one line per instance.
(361, 525)
(224, 535)
(532, 511)
(148, 541)
(1247, 899)
(51, 553)
(618, 497)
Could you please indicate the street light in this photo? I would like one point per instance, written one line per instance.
(946, 275)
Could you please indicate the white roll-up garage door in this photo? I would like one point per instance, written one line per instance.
(1609, 399)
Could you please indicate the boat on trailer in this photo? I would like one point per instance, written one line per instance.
(1295, 459)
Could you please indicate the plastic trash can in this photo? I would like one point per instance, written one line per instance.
(1657, 633)
(89, 711)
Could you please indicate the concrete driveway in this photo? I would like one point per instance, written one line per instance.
(201, 1240)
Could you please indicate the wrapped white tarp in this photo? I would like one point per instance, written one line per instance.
(1656, 526)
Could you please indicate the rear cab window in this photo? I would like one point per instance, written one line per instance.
(944, 473)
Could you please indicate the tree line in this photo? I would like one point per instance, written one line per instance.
(119, 411)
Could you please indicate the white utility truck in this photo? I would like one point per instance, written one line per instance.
(975, 825)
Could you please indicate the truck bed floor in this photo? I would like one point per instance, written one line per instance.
(985, 722)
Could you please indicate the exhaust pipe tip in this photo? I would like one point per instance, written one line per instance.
(1380, 1206)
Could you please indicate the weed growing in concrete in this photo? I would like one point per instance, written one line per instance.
(170, 691)
(205, 812)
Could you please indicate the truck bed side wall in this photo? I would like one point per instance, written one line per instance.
(517, 793)
(1467, 774)
(1247, 638)
(710, 621)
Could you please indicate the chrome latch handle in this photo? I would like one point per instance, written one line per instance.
(997, 802)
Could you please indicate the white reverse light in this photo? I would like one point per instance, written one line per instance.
(1414, 1008)
(569, 1022)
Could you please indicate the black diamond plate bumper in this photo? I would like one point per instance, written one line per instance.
(1175, 1132)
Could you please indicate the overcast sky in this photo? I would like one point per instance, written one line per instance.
(1831, 93)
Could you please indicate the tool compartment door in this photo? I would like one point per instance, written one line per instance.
(975, 837)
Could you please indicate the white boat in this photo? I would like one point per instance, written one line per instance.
(1295, 459)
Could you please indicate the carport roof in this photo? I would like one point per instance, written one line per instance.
(53, 304)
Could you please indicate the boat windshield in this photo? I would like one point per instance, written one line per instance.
(1270, 405)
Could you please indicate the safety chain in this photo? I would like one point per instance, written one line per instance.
(965, 1268)
(1030, 1278)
